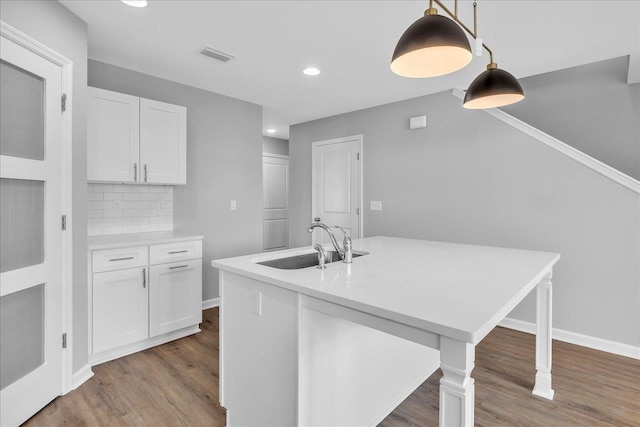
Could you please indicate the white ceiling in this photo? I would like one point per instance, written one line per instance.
(350, 41)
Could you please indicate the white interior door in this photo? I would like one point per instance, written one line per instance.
(336, 186)
(275, 181)
(30, 233)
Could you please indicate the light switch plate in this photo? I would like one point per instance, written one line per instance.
(418, 122)
(375, 205)
(234, 205)
(256, 302)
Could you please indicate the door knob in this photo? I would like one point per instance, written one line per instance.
(316, 219)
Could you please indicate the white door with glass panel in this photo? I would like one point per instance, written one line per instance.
(275, 182)
(30, 233)
(336, 186)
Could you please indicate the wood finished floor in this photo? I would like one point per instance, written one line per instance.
(176, 384)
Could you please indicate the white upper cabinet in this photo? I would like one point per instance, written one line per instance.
(135, 140)
(113, 124)
(163, 142)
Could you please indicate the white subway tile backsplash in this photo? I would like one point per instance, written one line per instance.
(130, 196)
(111, 213)
(164, 227)
(102, 188)
(131, 229)
(134, 204)
(101, 204)
(145, 228)
(95, 214)
(113, 229)
(121, 208)
(95, 231)
(112, 196)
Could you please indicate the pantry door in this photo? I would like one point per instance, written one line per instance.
(275, 189)
(31, 263)
(337, 186)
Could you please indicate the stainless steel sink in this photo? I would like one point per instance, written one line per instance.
(305, 260)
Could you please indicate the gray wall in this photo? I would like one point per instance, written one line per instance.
(470, 178)
(224, 163)
(56, 27)
(590, 107)
(275, 146)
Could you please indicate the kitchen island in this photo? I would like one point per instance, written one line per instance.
(345, 345)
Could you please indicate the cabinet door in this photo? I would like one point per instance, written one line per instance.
(163, 142)
(120, 308)
(175, 296)
(113, 136)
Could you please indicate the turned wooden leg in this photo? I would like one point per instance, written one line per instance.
(457, 388)
(542, 387)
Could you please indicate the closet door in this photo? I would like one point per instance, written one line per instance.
(30, 233)
(275, 187)
(163, 142)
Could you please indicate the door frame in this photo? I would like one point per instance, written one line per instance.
(315, 144)
(66, 66)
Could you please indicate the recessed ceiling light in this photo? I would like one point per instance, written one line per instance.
(311, 71)
(271, 130)
(135, 3)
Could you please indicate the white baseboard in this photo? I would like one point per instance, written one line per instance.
(126, 350)
(577, 339)
(81, 376)
(210, 303)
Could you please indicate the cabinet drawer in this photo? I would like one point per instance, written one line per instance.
(170, 252)
(118, 259)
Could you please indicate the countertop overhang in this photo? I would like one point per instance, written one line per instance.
(456, 290)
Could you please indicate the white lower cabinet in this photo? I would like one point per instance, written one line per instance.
(120, 307)
(175, 297)
(139, 300)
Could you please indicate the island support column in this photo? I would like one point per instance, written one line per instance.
(542, 387)
(457, 388)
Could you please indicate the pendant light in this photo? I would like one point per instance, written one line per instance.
(432, 46)
(493, 88)
(435, 45)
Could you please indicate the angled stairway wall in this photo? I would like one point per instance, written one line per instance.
(470, 178)
(591, 108)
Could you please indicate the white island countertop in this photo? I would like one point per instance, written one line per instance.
(455, 290)
(132, 239)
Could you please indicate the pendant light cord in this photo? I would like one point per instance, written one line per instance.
(464, 27)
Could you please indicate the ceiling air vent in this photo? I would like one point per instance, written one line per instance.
(216, 54)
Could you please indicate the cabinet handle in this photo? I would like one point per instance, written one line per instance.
(145, 173)
(121, 259)
(135, 172)
(178, 252)
(178, 266)
(144, 277)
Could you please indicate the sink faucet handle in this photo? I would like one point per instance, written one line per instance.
(346, 235)
(346, 246)
(322, 256)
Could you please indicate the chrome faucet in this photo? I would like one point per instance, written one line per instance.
(346, 253)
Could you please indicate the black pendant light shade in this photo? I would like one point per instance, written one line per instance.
(493, 88)
(432, 46)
